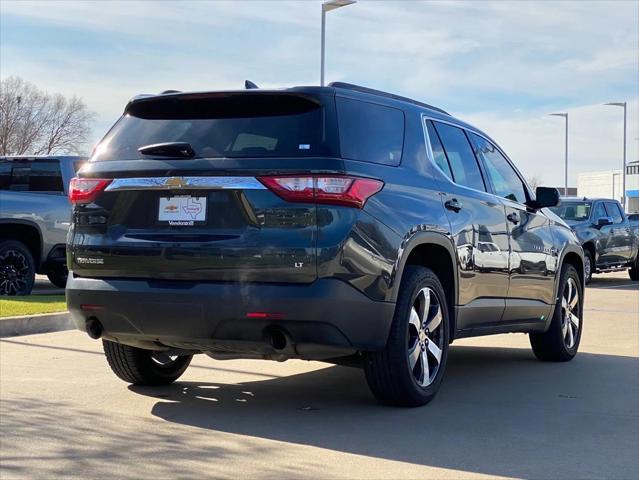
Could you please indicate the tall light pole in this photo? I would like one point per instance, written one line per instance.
(565, 115)
(327, 7)
(623, 169)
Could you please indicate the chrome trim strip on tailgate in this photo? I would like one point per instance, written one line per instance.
(186, 183)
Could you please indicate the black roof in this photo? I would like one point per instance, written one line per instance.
(298, 89)
(371, 91)
(308, 90)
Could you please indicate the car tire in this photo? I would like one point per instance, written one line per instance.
(17, 268)
(144, 367)
(561, 341)
(58, 276)
(409, 371)
(589, 266)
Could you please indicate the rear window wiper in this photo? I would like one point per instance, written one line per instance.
(168, 149)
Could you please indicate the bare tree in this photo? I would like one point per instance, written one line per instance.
(534, 181)
(33, 122)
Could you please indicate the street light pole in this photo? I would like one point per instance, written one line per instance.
(327, 7)
(323, 46)
(565, 116)
(623, 169)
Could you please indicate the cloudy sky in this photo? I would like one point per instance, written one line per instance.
(499, 65)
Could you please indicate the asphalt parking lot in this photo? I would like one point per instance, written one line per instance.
(500, 413)
(43, 286)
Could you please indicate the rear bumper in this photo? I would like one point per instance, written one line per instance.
(324, 319)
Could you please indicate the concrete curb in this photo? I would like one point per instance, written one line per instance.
(32, 324)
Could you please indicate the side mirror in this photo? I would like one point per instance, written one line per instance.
(545, 197)
(603, 221)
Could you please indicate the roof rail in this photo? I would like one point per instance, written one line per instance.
(20, 158)
(358, 88)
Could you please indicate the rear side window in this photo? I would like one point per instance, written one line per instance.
(505, 181)
(31, 176)
(438, 150)
(45, 177)
(225, 125)
(370, 132)
(614, 212)
(460, 156)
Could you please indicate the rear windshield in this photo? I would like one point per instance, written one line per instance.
(225, 125)
(573, 211)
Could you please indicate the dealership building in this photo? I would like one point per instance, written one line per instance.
(608, 184)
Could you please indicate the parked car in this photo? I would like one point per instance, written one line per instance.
(609, 241)
(35, 215)
(633, 218)
(334, 223)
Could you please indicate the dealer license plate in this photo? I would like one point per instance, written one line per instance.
(182, 210)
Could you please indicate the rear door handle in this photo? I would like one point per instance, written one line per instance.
(453, 204)
(513, 217)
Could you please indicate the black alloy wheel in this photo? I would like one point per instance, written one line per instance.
(17, 270)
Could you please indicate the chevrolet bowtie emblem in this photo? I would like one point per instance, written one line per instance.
(175, 182)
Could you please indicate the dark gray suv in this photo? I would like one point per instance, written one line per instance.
(339, 223)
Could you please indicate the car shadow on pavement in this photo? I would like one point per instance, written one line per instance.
(603, 281)
(499, 412)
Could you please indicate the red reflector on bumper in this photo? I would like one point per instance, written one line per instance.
(266, 315)
(91, 308)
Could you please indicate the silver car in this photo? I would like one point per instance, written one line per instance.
(35, 215)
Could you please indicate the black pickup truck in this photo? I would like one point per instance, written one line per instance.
(609, 238)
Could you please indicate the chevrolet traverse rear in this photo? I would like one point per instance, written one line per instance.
(311, 223)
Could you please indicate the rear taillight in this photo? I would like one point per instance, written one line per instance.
(334, 190)
(85, 190)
